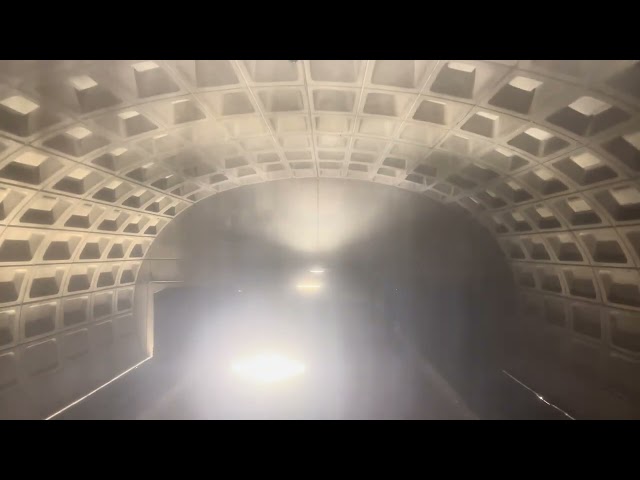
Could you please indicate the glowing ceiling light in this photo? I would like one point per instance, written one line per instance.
(317, 270)
(268, 368)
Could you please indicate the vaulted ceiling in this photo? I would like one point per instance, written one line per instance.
(96, 157)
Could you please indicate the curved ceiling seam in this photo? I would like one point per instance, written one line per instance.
(352, 131)
(256, 103)
(47, 189)
(622, 174)
(143, 102)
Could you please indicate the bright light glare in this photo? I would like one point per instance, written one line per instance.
(309, 286)
(317, 270)
(268, 368)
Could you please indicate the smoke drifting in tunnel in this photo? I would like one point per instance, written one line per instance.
(98, 158)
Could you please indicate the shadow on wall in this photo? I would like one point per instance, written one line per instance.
(441, 275)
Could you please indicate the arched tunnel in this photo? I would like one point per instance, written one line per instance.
(315, 239)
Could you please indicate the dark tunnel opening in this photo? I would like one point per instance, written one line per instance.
(412, 320)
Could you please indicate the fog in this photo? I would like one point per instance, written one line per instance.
(406, 322)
